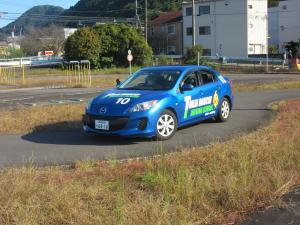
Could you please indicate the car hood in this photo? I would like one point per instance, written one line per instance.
(111, 101)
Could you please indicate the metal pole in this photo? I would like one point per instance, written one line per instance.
(136, 14)
(267, 44)
(130, 70)
(194, 25)
(146, 20)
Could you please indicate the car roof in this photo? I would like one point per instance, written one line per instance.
(177, 67)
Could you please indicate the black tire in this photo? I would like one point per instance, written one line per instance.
(165, 131)
(224, 111)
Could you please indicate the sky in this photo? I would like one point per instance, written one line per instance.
(18, 6)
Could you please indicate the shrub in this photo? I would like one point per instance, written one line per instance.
(191, 56)
(107, 46)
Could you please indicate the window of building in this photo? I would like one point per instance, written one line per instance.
(282, 28)
(206, 52)
(189, 11)
(205, 30)
(171, 29)
(284, 7)
(250, 6)
(189, 31)
(251, 48)
(204, 10)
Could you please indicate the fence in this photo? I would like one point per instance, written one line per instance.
(251, 64)
(10, 74)
(72, 74)
(79, 73)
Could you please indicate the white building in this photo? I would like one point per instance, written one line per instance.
(232, 28)
(288, 20)
(273, 16)
(69, 32)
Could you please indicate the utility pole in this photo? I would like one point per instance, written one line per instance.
(136, 14)
(146, 20)
(194, 25)
(267, 44)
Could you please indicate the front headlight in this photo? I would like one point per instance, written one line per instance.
(143, 106)
(89, 104)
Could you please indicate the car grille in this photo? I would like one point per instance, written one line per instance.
(142, 124)
(115, 122)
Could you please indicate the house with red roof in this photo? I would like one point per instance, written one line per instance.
(165, 34)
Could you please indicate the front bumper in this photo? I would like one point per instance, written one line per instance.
(138, 125)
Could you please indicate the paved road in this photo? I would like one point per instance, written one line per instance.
(11, 98)
(250, 112)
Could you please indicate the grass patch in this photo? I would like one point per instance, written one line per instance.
(30, 119)
(212, 185)
(278, 85)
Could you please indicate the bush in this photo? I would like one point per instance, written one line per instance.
(164, 60)
(191, 56)
(84, 44)
(107, 46)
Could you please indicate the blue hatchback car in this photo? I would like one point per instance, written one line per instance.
(155, 101)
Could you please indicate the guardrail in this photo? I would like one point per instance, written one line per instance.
(29, 61)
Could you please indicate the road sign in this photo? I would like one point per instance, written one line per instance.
(129, 58)
(49, 53)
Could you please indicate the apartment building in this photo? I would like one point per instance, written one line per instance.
(229, 28)
(288, 26)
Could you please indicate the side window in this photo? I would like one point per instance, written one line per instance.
(206, 77)
(190, 79)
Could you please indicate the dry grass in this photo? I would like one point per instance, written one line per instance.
(212, 185)
(30, 119)
(278, 85)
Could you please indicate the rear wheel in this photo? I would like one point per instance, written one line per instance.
(224, 111)
(166, 125)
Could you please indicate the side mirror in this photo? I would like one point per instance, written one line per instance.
(187, 87)
(118, 82)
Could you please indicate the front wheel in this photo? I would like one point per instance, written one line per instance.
(224, 111)
(166, 125)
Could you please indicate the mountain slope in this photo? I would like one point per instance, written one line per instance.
(120, 8)
(38, 16)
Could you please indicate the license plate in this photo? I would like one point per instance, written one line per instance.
(101, 125)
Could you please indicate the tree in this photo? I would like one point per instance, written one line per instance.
(293, 47)
(14, 52)
(273, 3)
(108, 45)
(43, 39)
(273, 49)
(191, 56)
(84, 44)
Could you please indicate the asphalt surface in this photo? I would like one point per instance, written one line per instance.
(44, 148)
(289, 214)
(42, 96)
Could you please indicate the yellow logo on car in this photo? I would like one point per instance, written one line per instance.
(216, 99)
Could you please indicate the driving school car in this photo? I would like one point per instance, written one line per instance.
(155, 101)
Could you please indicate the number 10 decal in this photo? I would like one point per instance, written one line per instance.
(123, 101)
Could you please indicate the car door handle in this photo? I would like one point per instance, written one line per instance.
(219, 87)
(201, 92)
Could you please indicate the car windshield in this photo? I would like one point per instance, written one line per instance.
(151, 80)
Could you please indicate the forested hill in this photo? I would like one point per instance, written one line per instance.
(121, 8)
(126, 8)
(38, 16)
